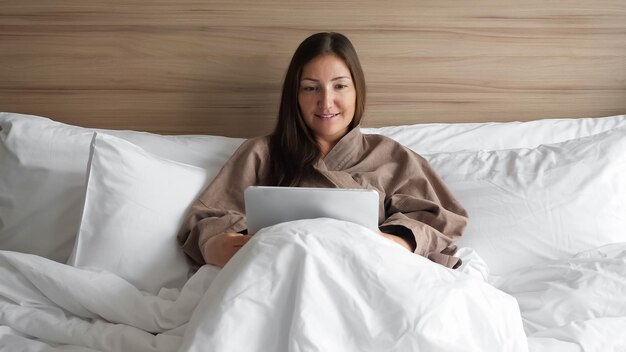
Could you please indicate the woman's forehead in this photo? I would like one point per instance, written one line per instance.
(326, 68)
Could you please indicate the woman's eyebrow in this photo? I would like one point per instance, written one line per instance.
(334, 79)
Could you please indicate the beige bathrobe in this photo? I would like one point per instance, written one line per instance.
(414, 203)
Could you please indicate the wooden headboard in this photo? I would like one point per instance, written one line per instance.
(216, 67)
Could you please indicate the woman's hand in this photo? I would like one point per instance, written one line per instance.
(220, 248)
(398, 240)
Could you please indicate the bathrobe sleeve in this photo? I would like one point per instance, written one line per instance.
(220, 207)
(419, 206)
(415, 204)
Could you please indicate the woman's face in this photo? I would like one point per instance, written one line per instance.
(327, 98)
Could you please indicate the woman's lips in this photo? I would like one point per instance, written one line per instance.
(326, 116)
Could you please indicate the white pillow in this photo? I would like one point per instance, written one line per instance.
(42, 183)
(530, 205)
(134, 204)
(442, 137)
(43, 164)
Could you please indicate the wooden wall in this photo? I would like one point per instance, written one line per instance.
(217, 66)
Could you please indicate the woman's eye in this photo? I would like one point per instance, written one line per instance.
(341, 86)
(308, 89)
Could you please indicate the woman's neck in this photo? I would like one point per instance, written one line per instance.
(325, 147)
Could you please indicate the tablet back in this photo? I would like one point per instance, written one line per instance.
(267, 206)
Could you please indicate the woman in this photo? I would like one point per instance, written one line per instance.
(317, 143)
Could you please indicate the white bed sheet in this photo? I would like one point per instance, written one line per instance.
(577, 304)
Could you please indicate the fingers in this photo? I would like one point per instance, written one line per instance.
(239, 240)
(220, 248)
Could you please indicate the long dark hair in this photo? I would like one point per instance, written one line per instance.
(293, 147)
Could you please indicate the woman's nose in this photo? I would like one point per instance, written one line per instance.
(326, 100)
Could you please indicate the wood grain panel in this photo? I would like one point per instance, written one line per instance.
(217, 66)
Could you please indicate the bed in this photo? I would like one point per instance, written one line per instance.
(89, 259)
(118, 115)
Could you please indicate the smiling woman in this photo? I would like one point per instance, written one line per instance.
(317, 143)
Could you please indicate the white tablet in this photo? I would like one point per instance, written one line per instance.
(267, 206)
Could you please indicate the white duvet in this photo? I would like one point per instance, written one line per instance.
(318, 285)
(574, 305)
(314, 285)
